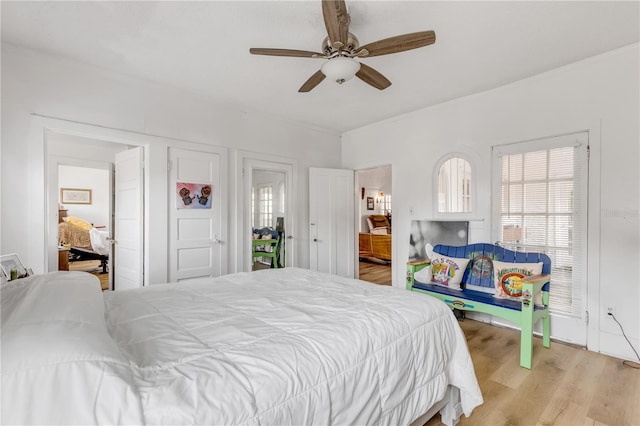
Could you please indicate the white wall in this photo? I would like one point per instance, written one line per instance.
(601, 95)
(96, 180)
(34, 82)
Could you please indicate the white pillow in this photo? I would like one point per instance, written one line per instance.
(508, 278)
(59, 363)
(447, 271)
(423, 275)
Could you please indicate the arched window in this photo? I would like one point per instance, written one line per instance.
(454, 184)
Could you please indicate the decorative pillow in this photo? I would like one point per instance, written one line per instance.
(508, 278)
(423, 275)
(79, 222)
(447, 271)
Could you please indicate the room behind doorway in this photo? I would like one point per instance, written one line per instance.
(374, 216)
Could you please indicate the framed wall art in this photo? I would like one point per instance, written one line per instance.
(75, 196)
(12, 267)
(193, 195)
(425, 234)
(369, 203)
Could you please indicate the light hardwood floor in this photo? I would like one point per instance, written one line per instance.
(92, 267)
(566, 386)
(374, 272)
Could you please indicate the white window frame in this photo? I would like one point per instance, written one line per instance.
(260, 201)
(579, 140)
(473, 192)
(385, 204)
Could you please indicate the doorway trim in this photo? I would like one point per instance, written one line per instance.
(357, 219)
(42, 213)
(246, 162)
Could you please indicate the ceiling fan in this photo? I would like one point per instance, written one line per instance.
(341, 47)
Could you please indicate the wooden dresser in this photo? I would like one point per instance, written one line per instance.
(63, 258)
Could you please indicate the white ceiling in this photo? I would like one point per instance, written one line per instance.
(203, 47)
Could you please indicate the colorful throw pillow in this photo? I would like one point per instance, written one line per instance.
(508, 278)
(447, 271)
(79, 222)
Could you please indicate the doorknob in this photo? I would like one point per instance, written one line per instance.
(112, 241)
(315, 240)
(290, 237)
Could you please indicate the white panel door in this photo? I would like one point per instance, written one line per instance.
(195, 232)
(331, 210)
(126, 267)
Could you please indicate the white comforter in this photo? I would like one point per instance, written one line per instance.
(285, 346)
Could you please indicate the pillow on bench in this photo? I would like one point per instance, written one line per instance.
(508, 278)
(447, 271)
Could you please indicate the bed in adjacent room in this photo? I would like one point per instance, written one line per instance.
(277, 346)
(84, 240)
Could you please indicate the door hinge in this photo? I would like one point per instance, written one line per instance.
(588, 152)
(586, 317)
(168, 165)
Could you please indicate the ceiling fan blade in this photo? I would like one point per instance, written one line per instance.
(285, 52)
(336, 20)
(400, 43)
(372, 77)
(313, 81)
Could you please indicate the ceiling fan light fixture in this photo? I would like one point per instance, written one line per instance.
(340, 69)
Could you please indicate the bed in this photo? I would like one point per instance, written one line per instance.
(85, 244)
(276, 346)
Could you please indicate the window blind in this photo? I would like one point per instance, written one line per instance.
(542, 207)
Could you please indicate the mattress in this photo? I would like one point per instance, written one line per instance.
(286, 346)
(74, 236)
(93, 239)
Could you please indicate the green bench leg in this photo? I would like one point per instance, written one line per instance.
(526, 336)
(526, 347)
(546, 322)
(546, 331)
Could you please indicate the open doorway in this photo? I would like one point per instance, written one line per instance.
(268, 202)
(268, 210)
(84, 220)
(81, 192)
(375, 218)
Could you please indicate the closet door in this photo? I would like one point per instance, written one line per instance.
(331, 227)
(197, 228)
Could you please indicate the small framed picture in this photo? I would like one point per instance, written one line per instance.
(369, 203)
(12, 267)
(75, 196)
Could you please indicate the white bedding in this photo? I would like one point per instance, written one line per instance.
(59, 364)
(285, 346)
(99, 241)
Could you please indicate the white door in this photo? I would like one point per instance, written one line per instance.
(126, 269)
(331, 204)
(195, 227)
